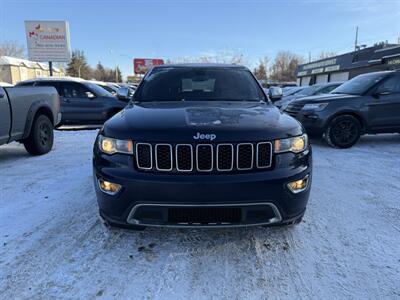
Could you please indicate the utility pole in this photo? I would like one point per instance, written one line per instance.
(356, 41)
(51, 68)
(309, 56)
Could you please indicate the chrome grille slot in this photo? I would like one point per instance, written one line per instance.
(204, 157)
(184, 157)
(199, 158)
(164, 157)
(264, 155)
(144, 156)
(244, 156)
(225, 157)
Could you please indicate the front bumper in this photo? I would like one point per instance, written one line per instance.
(151, 199)
(313, 122)
(58, 120)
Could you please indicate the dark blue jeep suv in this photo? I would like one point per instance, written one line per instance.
(201, 145)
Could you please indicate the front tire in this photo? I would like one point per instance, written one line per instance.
(343, 132)
(41, 138)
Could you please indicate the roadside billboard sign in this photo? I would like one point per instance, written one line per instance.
(48, 40)
(141, 65)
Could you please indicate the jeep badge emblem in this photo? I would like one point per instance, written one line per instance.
(202, 136)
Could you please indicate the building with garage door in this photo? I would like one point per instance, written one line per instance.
(13, 70)
(380, 57)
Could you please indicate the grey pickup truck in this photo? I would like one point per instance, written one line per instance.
(28, 115)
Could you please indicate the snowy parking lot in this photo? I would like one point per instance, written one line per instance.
(52, 244)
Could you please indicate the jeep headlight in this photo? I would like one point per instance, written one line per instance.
(315, 106)
(112, 146)
(295, 144)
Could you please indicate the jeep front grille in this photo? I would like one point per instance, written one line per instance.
(201, 158)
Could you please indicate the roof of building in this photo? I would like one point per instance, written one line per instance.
(14, 61)
(374, 55)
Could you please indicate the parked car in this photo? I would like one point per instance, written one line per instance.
(114, 85)
(28, 115)
(82, 102)
(316, 89)
(201, 145)
(368, 103)
(112, 89)
(132, 88)
(292, 90)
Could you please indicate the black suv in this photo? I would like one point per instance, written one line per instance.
(201, 145)
(82, 102)
(368, 103)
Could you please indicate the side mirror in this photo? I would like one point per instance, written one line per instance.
(275, 93)
(123, 94)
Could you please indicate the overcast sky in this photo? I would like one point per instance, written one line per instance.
(177, 28)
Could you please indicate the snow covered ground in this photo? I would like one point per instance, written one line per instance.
(52, 244)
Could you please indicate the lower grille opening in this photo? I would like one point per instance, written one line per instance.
(235, 215)
(150, 214)
(204, 215)
(260, 214)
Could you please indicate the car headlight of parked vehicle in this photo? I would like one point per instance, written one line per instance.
(112, 146)
(315, 106)
(295, 144)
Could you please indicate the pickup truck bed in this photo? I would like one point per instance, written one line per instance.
(21, 108)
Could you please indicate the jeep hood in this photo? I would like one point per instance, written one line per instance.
(180, 121)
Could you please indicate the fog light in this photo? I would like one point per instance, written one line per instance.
(109, 187)
(298, 185)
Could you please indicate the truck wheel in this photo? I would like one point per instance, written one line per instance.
(41, 137)
(343, 131)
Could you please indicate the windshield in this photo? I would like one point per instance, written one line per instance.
(199, 84)
(358, 85)
(99, 91)
(107, 88)
(309, 91)
(293, 91)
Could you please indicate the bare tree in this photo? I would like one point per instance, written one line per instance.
(284, 66)
(261, 71)
(223, 56)
(12, 48)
